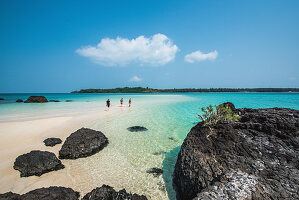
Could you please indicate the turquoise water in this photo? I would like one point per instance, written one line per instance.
(168, 117)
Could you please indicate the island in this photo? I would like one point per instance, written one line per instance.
(183, 90)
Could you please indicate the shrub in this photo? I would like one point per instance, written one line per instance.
(213, 114)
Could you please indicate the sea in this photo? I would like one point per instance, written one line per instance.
(126, 160)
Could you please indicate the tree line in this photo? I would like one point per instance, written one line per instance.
(183, 90)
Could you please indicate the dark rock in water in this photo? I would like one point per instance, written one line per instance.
(37, 163)
(108, 193)
(51, 193)
(137, 128)
(54, 101)
(68, 100)
(159, 153)
(10, 196)
(19, 100)
(52, 141)
(36, 99)
(173, 139)
(155, 171)
(255, 158)
(1, 99)
(82, 143)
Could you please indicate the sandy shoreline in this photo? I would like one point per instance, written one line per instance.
(21, 137)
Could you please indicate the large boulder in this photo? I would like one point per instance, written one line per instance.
(10, 196)
(82, 143)
(254, 158)
(52, 141)
(19, 100)
(51, 193)
(37, 163)
(108, 193)
(36, 99)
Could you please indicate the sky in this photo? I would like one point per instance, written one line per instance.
(61, 46)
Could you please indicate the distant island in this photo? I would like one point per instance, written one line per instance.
(184, 90)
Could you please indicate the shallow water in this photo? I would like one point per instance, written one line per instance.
(124, 162)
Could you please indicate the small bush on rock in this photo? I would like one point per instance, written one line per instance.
(214, 114)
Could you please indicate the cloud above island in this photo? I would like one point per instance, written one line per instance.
(156, 50)
(135, 79)
(198, 56)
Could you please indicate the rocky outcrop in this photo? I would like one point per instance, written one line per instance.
(82, 143)
(254, 158)
(51, 193)
(108, 193)
(52, 141)
(10, 196)
(19, 100)
(37, 163)
(54, 101)
(137, 128)
(1, 99)
(36, 99)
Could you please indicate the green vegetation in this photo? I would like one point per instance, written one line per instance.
(150, 90)
(213, 114)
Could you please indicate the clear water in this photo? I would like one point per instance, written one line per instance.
(168, 117)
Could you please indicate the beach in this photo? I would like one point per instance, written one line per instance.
(128, 156)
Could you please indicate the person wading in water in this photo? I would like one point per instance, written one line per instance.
(130, 101)
(121, 101)
(108, 103)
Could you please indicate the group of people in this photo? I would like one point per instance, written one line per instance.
(108, 104)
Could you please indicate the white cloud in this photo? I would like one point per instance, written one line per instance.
(135, 79)
(198, 56)
(156, 50)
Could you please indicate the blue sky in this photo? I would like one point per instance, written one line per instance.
(60, 46)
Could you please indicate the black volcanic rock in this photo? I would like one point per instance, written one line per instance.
(137, 128)
(82, 143)
(108, 193)
(10, 196)
(36, 99)
(37, 163)
(255, 158)
(52, 141)
(54, 101)
(155, 171)
(19, 100)
(51, 193)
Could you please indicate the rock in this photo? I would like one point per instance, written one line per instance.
(173, 139)
(255, 158)
(37, 163)
(19, 100)
(51, 193)
(52, 141)
(137, 128)
(82, 143)
(108, 193)
(155, 171)
(10, 196)
(1, 99)
(54, 101)
(36, 99)
(230, 105)
(159, 153)
(68, 100)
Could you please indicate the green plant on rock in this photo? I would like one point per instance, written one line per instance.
(213, 114)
